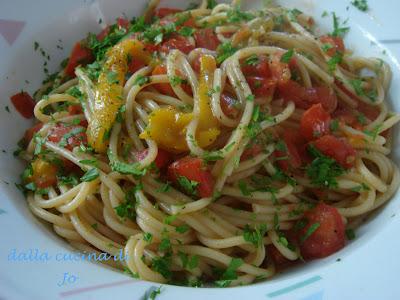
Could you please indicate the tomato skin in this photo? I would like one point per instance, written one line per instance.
(24, 104)
(57, 133)
(228, 106)
(261, 86)
(75, 109)
(29, 133)
(251, 152)
(328, 238)
(260, 69)
(279, 71)
(315, 122)
(163, 157)
(335, 41)
(206, 38)
(324, 95)
(294, 142)
(165, 11)
(177, 42)
(304, 98)
(338, 149)
(134, 65)
(279, 260)
(193, 169)
(123, 23)
(80, 55)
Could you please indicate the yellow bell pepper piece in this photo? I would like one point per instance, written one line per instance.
(109, 89)
(167, 126)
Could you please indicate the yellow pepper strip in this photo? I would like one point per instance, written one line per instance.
(44, 173)
(108, 92)
(167, 126)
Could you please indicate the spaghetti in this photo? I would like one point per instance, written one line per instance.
(211, 145)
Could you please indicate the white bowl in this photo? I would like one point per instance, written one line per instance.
(369, 265)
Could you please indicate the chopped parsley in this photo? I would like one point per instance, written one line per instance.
(182, 228)
(230, 273)
(334, 125)
(141, 80)
(188, 263)
(164, 188)
(374, 132)
(147, 237)
(310, 230)
(67, 136)
(169, 219)
(254, 236)
(362, 5)
(244, 188)
(211, 4)
(189, 186)
(89, 162)
(252, 60)
(323, 170)
(124, 168)
(186, 31)
(250, 97)
(338, 31)
(287, 56)
(112, 77)
(162, 265)
(235, 15)
(90, 175)
(176, 80)
(224, 51)
(350, 234)
(127, 208)
(334, 61)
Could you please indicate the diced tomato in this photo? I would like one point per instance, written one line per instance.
(123, 23)
(194, 169)
(228, 106)
(335, 42)
(329, 236)
(165, 88)
(261, 86)
(165, 11)
(291, 158)
(135, 64)
(75, 109)
(24, 104)
(251, 151)
(163, 157)
(279, 71)
(73, 135)
(29, 133)
(324, 95)
(304, 98)
(345, 116)
(260, 69)
(315, 122)
(339, 149)
(80, 55)
(100, 36)
(206, 38)
(177, 42)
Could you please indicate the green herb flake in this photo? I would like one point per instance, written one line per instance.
(287, 56)
(361, 5)
(141, 80)
(189, 186)
(310, 230)
(90, 175)
(350, 234)
(252, 60)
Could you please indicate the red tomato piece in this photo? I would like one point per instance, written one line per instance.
(345, 116)
(75, 109)
(163, 157)
(291, 158)
(292, 91)
(261, 86)
(134, 65)
(194, 169)
(324, 95)
(315, 122)
(329, 236)
(80, 55)
(279, 71)
(100, 36)
(338, 149)
(335, 42)
(24, 104)
(206, 38)
(228, 106)
(177, 42)
(251, 151)
(165, 11)
(123, 23)
(278, 259)
(73, 135)
(29, 133)
(261, 68)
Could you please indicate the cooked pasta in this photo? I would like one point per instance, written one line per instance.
(212, 145)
